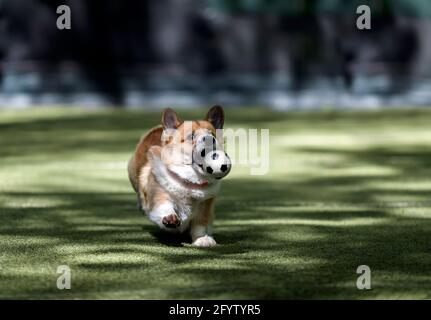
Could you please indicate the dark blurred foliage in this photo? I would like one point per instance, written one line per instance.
(116, 47)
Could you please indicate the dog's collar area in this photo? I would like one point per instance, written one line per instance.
(186, 182)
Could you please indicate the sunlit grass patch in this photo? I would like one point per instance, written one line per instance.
(343, 189)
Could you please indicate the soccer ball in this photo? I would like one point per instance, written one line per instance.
(217, 164)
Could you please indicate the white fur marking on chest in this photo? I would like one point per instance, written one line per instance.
(178, 190)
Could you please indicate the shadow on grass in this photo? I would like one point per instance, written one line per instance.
(168, 239)
(278, 239)
(407, 160)
(265, 251)
(108, 131)
(116, 131)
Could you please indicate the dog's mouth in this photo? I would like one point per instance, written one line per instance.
(187, 183)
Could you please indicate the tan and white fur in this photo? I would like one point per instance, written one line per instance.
(171, 190)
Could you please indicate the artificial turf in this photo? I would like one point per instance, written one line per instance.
(343, 190)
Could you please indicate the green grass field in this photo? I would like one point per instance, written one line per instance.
(343, 189)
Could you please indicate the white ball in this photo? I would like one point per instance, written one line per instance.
(217, 164)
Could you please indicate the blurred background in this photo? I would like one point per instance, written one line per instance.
(296, 54)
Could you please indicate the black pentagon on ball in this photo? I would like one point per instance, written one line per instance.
(223, 168)
(203, 153)
(214, 156)
(209, 170)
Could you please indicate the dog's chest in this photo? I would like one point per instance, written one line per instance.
(186, 211)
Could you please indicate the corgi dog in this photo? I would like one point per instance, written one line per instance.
(173, 188)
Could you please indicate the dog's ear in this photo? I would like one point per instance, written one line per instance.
(170, 119)
(216, 116)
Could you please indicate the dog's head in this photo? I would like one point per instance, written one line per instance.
(187, 145)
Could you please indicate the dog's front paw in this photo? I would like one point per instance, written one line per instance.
(204, 242)
(171, 221)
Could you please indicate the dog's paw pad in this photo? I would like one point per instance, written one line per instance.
(171, 221)
(204, 242)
